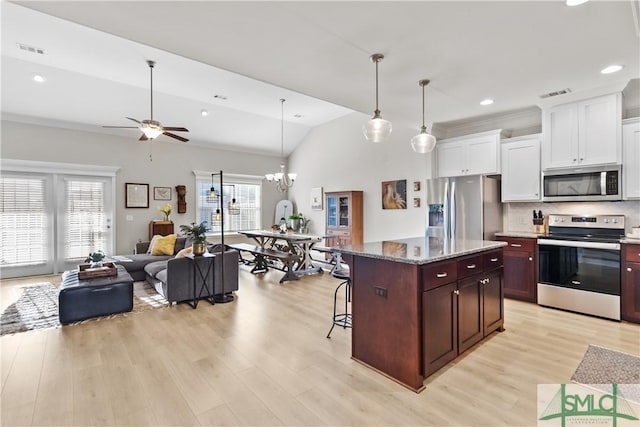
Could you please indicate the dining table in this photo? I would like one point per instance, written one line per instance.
(296, 243)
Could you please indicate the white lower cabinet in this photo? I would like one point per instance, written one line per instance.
(631, 158)
(521, 168)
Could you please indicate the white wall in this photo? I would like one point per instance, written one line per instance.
(173, 164)
(336, 156)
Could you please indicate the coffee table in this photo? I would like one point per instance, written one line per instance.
(80, 299)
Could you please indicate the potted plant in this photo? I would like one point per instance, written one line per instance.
(166, 210)
(197, 234)
(294, 220)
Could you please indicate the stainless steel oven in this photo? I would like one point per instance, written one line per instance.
(579, 264)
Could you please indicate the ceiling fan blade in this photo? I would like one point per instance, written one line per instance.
(178, 137)
(121, 127)
(137, 121)
(143, 137)
(175, 129)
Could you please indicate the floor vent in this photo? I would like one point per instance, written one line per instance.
(31, 49)
(556, 93)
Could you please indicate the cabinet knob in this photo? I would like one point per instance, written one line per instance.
(581, 159)
(457, 292)
(530, 258)
(574, 160)
(629, 269)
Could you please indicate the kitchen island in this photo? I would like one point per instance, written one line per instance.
(418, 303)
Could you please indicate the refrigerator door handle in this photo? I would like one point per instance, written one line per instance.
(446, 207)
(452, 210)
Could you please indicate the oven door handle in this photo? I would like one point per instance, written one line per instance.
(575, 244)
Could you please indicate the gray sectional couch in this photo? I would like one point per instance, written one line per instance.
(173, 277)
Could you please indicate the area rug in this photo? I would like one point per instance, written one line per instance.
(602, 366)
(37, 307)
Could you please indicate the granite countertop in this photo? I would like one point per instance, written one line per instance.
(630, 241)
(419, 250)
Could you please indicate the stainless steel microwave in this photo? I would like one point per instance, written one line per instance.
(593, 183)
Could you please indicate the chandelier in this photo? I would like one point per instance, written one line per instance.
(282, 180)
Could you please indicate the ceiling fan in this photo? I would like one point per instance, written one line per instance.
(152, 128)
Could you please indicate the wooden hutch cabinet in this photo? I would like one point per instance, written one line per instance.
(344, 218)
(162, 228)
(631, 283)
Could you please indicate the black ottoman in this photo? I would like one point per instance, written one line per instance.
(82, 299)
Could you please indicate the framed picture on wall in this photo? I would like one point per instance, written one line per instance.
(136, 195)
(316, 199)
(161, 193)
(394, 194)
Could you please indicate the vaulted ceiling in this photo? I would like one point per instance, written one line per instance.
(314, 54)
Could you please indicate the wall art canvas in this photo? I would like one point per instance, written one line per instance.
(394, 194)
(316, 199)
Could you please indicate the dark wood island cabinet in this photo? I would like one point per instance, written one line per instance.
(630, 289)
(417, 304)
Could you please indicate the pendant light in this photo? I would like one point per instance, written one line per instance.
(282, 180)
(377, 129)
(423, 142)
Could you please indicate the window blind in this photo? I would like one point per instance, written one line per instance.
(84, 218)
(248, 199)
(23, 221)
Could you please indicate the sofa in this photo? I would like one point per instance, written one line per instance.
(173, 277)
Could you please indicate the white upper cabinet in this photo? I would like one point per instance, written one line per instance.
(477, 154)
(521, 169)
(585, 133)
(631, 159)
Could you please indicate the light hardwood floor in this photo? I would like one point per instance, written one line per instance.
(264, 360)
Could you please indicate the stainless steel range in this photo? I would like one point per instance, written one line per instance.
(579, 264)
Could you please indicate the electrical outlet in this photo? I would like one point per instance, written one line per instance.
(381, 292)
(129, 218)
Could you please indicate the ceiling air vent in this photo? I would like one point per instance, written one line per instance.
(31, 49)
(556, 93)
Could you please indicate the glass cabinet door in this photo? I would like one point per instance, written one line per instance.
(344, 210)
(332, 211)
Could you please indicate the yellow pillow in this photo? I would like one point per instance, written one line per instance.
(164, 245)
(185, 251)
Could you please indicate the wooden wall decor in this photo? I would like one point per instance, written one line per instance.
(181, 191)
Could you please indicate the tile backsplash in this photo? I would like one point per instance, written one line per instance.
(517, 216)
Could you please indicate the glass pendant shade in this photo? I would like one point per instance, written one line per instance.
(151, 132)
(423, 142)
(377, 129)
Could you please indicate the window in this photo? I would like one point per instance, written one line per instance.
(23, 221)
(248, 195)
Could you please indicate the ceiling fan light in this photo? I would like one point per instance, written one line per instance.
(377, 129)
(151, 132)
(423, 142)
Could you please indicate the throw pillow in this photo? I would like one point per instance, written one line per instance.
(185, 251)
(152, 242)
(164, 245)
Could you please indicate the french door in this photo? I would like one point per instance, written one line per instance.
(50, 222)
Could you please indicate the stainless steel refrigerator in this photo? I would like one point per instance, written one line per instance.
(466, 207)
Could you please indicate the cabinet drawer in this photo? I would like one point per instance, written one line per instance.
(469, 266)
(492, 260)
(632, 253)
(517, 244)
(434, 275)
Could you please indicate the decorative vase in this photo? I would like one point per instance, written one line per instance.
(295, 224)
(199, 249)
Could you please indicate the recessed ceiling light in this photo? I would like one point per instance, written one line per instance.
(487, 101)
(204, 113)
(611, 69)
(575, 2)
(38, 78)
